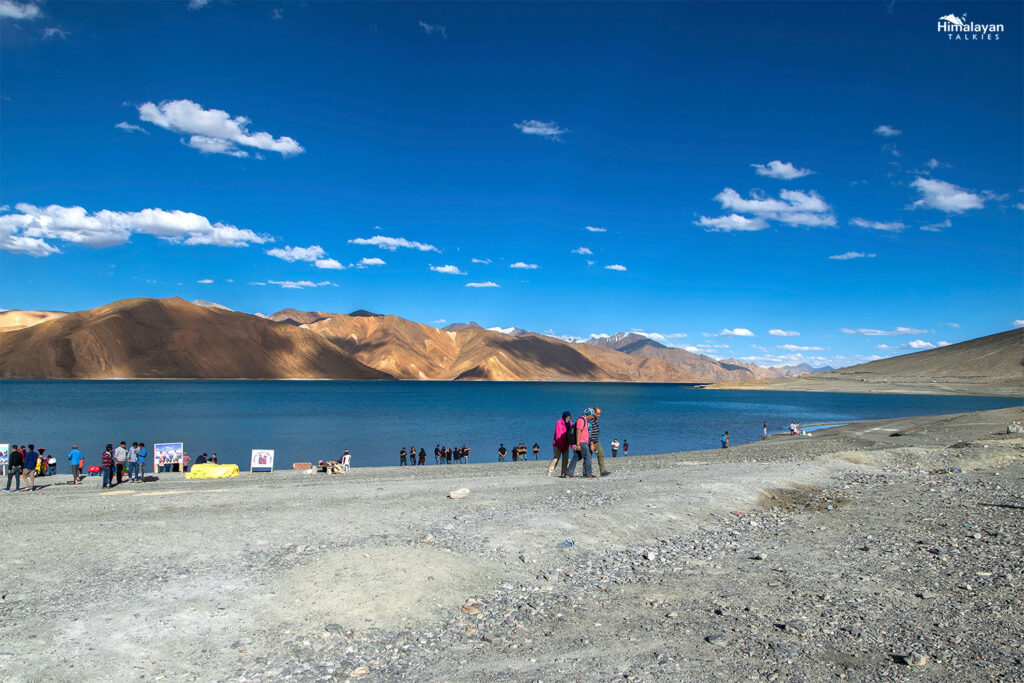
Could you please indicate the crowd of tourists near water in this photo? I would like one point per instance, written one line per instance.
(582, 436)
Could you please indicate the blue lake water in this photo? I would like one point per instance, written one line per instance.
(311, 420)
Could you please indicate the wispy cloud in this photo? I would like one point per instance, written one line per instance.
(793, 207)
(53, 32)
(783, 333)
(9, 9)
(894, 226)
(591, 228)
(938, 194)
(524, 266)
(298, 284)
(916, 345)
(447, 270)
(292, 254)
(736, 332)
(130, 128)
(33, 230)
(850, 255)
(616, 266)
(544, 129)
(431, 29)
(371, 261)
(198, 4)
(393, 243)
(277, 13)
(794, 347)
(482, 284)
(781, 170)
(214, 131)
(484, 261)
(937, 227)
(887, 131)
(884, 333)
(205, 282)
(582, 251)
(732, 223)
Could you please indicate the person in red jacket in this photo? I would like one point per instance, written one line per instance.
(560, 443)
(581, 446)
(107, 463)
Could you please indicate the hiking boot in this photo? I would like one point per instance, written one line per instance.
(605, 474)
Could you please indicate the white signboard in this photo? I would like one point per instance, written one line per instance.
(169, 456)
(5, 456)
(262, 460)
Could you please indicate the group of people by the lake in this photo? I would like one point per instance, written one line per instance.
(115, 462)
(582, 436)
(26, 461)
(518, 452)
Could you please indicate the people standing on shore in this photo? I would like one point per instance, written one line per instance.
(31, 463)
(615, 447)
(501, 452)
(625, 448)
(133, 461)
(76, 462)
(437, 454)
(595, 442)
(402, 457)
(536, 450)
(107, 465)
(51, 463)
(15, 465)
(423, 457)
(764, 429)
(142, 461)
(581, 446)
(725, 440)
(560, 444)
(120, 459)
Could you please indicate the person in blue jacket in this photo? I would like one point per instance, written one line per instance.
(75, 457)
(141, 456)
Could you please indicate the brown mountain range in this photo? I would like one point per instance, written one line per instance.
(171, 338)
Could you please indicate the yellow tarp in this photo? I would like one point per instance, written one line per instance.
(211, 471)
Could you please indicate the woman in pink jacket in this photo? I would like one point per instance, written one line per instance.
(561, 443)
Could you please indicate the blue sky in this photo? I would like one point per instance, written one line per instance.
(776, 182)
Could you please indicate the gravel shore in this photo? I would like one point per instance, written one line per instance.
(886, 550)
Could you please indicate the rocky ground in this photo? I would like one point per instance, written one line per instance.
(886, 550)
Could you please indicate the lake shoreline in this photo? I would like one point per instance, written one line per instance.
(800, 557)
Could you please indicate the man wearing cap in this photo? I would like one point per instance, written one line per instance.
(595, 442)
(561, 444)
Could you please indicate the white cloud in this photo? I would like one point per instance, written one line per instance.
(277, 13)
(524, 266)
(1019, 205)
(732, 223)
(591, 228)
(894, 226)
(884, 333)
(933, 163)
(16, 10)
(1018, 323)
(328, 264)
(447, 270)
(205, 282)
(198, 4)
(372, 261)
(616, 266)
(783, 333)
(545, 129)
(293, 254)
(916, 345)
(393, 243)
(130, 128)
(937, 227)
(850, 255)
(792, 207)
(956, 325)
(297, 284)
(482, 284)
(920, 344)
(214, 131)
(33, 228)
(431, 29)
(794, 347)
(938, 194)
(781, 170)
(582, 251)
(887, 131)
(591, 263)
(52, 32)
(736, 332)
(484, 261)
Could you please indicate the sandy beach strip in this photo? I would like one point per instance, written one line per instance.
(873, 551)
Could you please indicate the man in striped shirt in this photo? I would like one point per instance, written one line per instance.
(595, 440)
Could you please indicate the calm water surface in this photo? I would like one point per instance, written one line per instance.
(310, 420)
